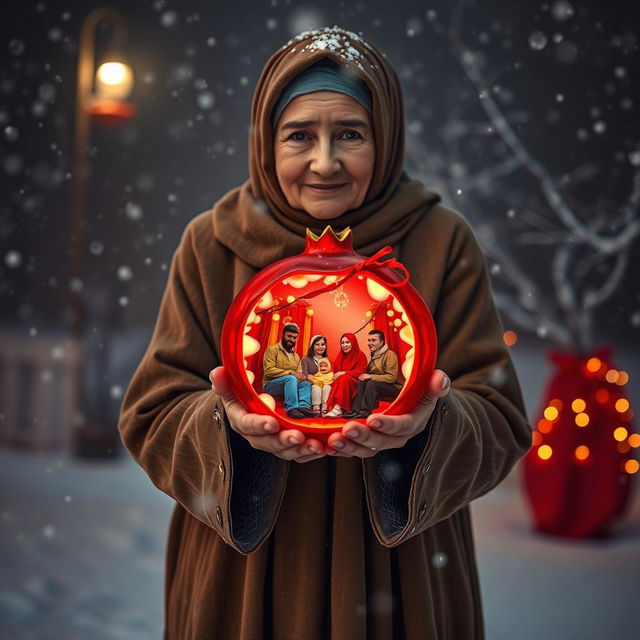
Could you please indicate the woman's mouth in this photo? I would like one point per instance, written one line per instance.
(316, 188)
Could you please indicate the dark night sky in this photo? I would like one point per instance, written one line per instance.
(566, 72)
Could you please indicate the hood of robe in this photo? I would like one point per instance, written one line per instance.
(255, 220)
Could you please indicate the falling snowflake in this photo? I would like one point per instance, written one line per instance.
(414, 27)
(169, 19)
(439, 559)
(205, 100)
(125, 272)
(48, 531)
(11, 133)
(133, 211)
(599, 126)
(537, 40)
(304, 19)
(96, 248)
(16, 47)
(634, 158)
(13, 259)
(562, 10)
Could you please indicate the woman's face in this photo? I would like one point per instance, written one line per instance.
(345, 345)
(324, 138)
(319, 346)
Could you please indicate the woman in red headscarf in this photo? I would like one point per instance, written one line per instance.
(348, 365)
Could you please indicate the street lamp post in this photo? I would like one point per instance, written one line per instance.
(107, 105)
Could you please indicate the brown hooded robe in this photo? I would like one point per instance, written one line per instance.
(338, 548)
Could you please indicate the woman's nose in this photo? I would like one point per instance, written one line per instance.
(325, 161)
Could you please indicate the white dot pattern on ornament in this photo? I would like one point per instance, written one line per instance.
(334, 39)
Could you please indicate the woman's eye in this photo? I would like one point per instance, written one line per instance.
(297, 133)
(351, 131)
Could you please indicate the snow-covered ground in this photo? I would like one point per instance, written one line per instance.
(82, 554)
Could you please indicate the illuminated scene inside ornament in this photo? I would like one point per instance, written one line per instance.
(358, 306)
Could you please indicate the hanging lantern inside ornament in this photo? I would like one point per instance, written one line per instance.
(330, 290)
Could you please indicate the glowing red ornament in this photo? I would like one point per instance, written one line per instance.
(328, 289)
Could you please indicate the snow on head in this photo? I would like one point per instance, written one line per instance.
(334, 39)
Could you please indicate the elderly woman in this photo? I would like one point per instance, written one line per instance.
(262, 548)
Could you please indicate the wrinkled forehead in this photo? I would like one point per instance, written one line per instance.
(324, 107)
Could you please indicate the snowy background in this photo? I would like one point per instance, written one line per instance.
(524, 115)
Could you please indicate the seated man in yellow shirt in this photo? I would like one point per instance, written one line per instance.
(282, 375)
(383, 378)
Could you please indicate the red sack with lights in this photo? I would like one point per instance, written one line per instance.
(577, 474)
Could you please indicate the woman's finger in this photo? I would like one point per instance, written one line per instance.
(363, 436)
(363, 445)
(256, 424)
(402, 425)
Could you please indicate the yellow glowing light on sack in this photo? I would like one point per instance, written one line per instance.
(510, 338)
(275, 317)
(622, 404)
(390, 313)
(582, 452)
(290, 299)
(578, 405)
(544, 426)
(545, 452)
(309, 312)
(612, 376)
(631, 466)
(582, 419)
(594, 364)
(551, 413)
(397, 322)
(634, 440)
(623, 378)
(620, 434)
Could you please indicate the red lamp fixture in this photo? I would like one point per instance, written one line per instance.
(113, 83)
(328, 289)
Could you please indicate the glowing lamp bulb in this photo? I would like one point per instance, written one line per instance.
(114, 80)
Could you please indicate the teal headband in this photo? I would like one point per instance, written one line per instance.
(322, 76)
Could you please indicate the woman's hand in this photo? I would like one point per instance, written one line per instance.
(385, 431)
(340, 373)
(263, 431)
